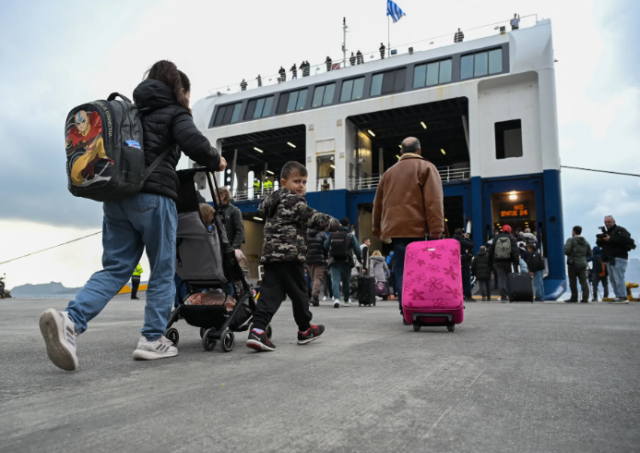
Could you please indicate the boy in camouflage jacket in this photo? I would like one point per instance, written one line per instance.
(283, 255)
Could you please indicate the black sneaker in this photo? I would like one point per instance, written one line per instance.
(260, 341)
(312, 334)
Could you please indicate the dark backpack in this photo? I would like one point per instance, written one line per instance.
(105, 153)
(339, 246)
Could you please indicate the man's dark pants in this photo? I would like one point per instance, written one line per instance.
(281, 280)
(575, 275)
(135, 284)
(399, 251)
(503, 268)
(466, 282)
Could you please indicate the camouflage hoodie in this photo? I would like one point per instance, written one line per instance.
(285, 233)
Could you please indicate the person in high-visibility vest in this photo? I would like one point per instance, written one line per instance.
(268, 185)
(135, 282)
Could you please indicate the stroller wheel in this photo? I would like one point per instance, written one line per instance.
(228, 341)
(451, 327)
(269, 331)
(416, 327)
(208, 343)
(172, 335)
(202, 329)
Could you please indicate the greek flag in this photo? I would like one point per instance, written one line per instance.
(394, 11)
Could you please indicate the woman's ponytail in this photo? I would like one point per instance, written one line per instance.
(168, 73)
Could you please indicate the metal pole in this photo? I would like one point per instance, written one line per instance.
(233, 172)
(344, 42)
(389, 35)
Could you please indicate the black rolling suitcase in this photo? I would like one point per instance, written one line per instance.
(519, 288)
(366, 290)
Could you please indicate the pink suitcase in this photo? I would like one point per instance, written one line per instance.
(432, 284)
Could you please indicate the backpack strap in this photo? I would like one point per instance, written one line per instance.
(156, 162)
(115, 95)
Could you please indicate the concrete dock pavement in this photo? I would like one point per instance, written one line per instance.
(546, 377)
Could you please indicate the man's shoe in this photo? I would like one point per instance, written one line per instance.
(135, 298)
(312, 334)
(324, 299)
(161, 348)
(260, 341)
(571, 301)
(619, 300)
(584, 301)
(539, 300)
(336, 303)
(347, 304)
(470, 299)
(503, 300)
(315, 301)
(60, 337)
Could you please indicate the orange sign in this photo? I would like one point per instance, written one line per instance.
(518, 211)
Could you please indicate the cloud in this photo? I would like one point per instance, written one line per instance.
(53, 67)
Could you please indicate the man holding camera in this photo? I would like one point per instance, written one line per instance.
(616, 243)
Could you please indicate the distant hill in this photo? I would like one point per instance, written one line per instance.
(44, 290)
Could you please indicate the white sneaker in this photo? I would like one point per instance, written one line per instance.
(347, 304)
(336, 303)
(152, 350)
(324, 299)
(60, 337)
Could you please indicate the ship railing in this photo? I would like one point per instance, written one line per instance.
(484, 31)
(447, 174)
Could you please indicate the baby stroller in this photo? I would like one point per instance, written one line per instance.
(206, 261)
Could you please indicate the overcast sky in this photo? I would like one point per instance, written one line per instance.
(55, 55)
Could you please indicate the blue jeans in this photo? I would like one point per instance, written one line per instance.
(538, 284)
(399, 250)
(341, 272)
(128, 226)
(616, 277)
(181, 290)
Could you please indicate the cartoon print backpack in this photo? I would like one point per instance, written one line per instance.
(105, 153)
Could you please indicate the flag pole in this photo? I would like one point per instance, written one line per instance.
(388, 35)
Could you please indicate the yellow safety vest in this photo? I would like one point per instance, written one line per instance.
(138, 271)
(268, 184)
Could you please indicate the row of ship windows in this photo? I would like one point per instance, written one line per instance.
(425, 75)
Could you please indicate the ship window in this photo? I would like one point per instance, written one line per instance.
(432, 74)
(445, 71)
(495, 61)
(466, 67)
(358, 89)
(508, 139)
(302, 99)
(419, 76)
(236, 112)
(388, 82)
(259, 108)
(323, 95)
(227, 114)
(347, 87)
(292, 101)
(481, 64)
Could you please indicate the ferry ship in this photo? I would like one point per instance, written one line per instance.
(483, 109)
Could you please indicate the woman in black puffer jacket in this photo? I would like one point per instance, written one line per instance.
(147, 220)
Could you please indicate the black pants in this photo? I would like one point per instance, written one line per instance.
(328, 290)
(503, 268)
(466, 282)
(281, 280)
(135, 283)
(574, 276)
(485, 288)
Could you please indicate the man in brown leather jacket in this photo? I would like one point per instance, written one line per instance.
(408, 204)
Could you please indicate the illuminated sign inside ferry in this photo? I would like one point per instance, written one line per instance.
(514, 211)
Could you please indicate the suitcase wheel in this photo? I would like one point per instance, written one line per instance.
(359, 305)
(416, 327)
(451, 327)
